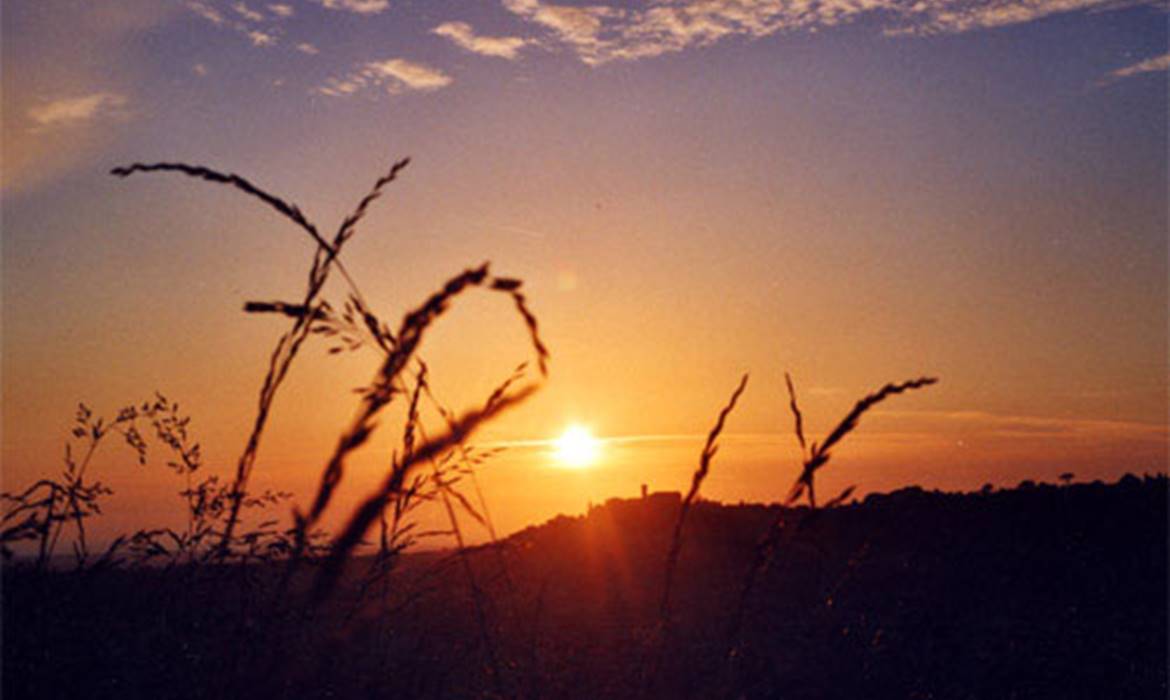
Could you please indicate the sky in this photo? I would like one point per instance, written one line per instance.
(853, 191)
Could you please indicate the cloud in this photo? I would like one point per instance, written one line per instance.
(199, 69)
(464, 36)
(259, 38)
(48, 127)
(396, 74)
(281, 10)
(361, 7)
(1154, 64)
(579, 27)
(306, 47)
(599, 34)
(414, 76)
(953, 16)
(206, 12)
(247, 12)
(940, 422)
(67, 112)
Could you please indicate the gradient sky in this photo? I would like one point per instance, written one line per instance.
(857, 191)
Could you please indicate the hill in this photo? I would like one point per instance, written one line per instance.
(1035, 592)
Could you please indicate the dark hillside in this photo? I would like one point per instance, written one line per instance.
(1041, 591)
(1037, 592)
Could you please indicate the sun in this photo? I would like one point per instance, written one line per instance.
(577, 448)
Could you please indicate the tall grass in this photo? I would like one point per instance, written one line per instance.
(814, 456)
(356, 325)
(818, 455)
(50, 507)
(303, 314)
(657, 643)
(710, 447)
(426, 468)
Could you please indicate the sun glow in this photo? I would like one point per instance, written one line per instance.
(577, 448)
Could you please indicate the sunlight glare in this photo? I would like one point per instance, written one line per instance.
(577, 448)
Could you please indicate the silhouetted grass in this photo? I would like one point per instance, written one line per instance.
(708, 453)
(660, 635)
(813, 457)
(289, 344)
(312, 314)
(305, 596)
(818, 455)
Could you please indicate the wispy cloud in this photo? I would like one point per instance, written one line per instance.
(247, 12)
(246, 24)
(899, 425)
(462, 34)
(581, 28)
(206, 12)
(306, 47)
(937, 422)
(361, 7)
(281, 10)
(199, 69)
(259, 38)
(395, 75)
(67, 112)
(956, 16)
(413, 76)
(602, 33)
(1154, 64)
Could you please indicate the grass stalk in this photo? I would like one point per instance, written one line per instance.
(781, 529)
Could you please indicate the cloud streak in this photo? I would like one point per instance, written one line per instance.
(259, 38)
(600, 34)
(206, 12)
(900, 426)
(395, 75)
(246, 26)
(463, 36)
(73, 111)
(1016, 426)
(361, 7)
(1154, 64)
(247, 12)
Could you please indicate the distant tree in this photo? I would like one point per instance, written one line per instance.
(1066, 477)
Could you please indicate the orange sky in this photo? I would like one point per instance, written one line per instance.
(838, 200)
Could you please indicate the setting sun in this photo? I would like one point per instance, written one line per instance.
(577, 448)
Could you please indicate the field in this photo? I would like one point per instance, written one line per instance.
(1041, 591)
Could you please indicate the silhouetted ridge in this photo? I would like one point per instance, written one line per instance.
(1039, 591)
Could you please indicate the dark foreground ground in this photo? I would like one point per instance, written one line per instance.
(1037, 592)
